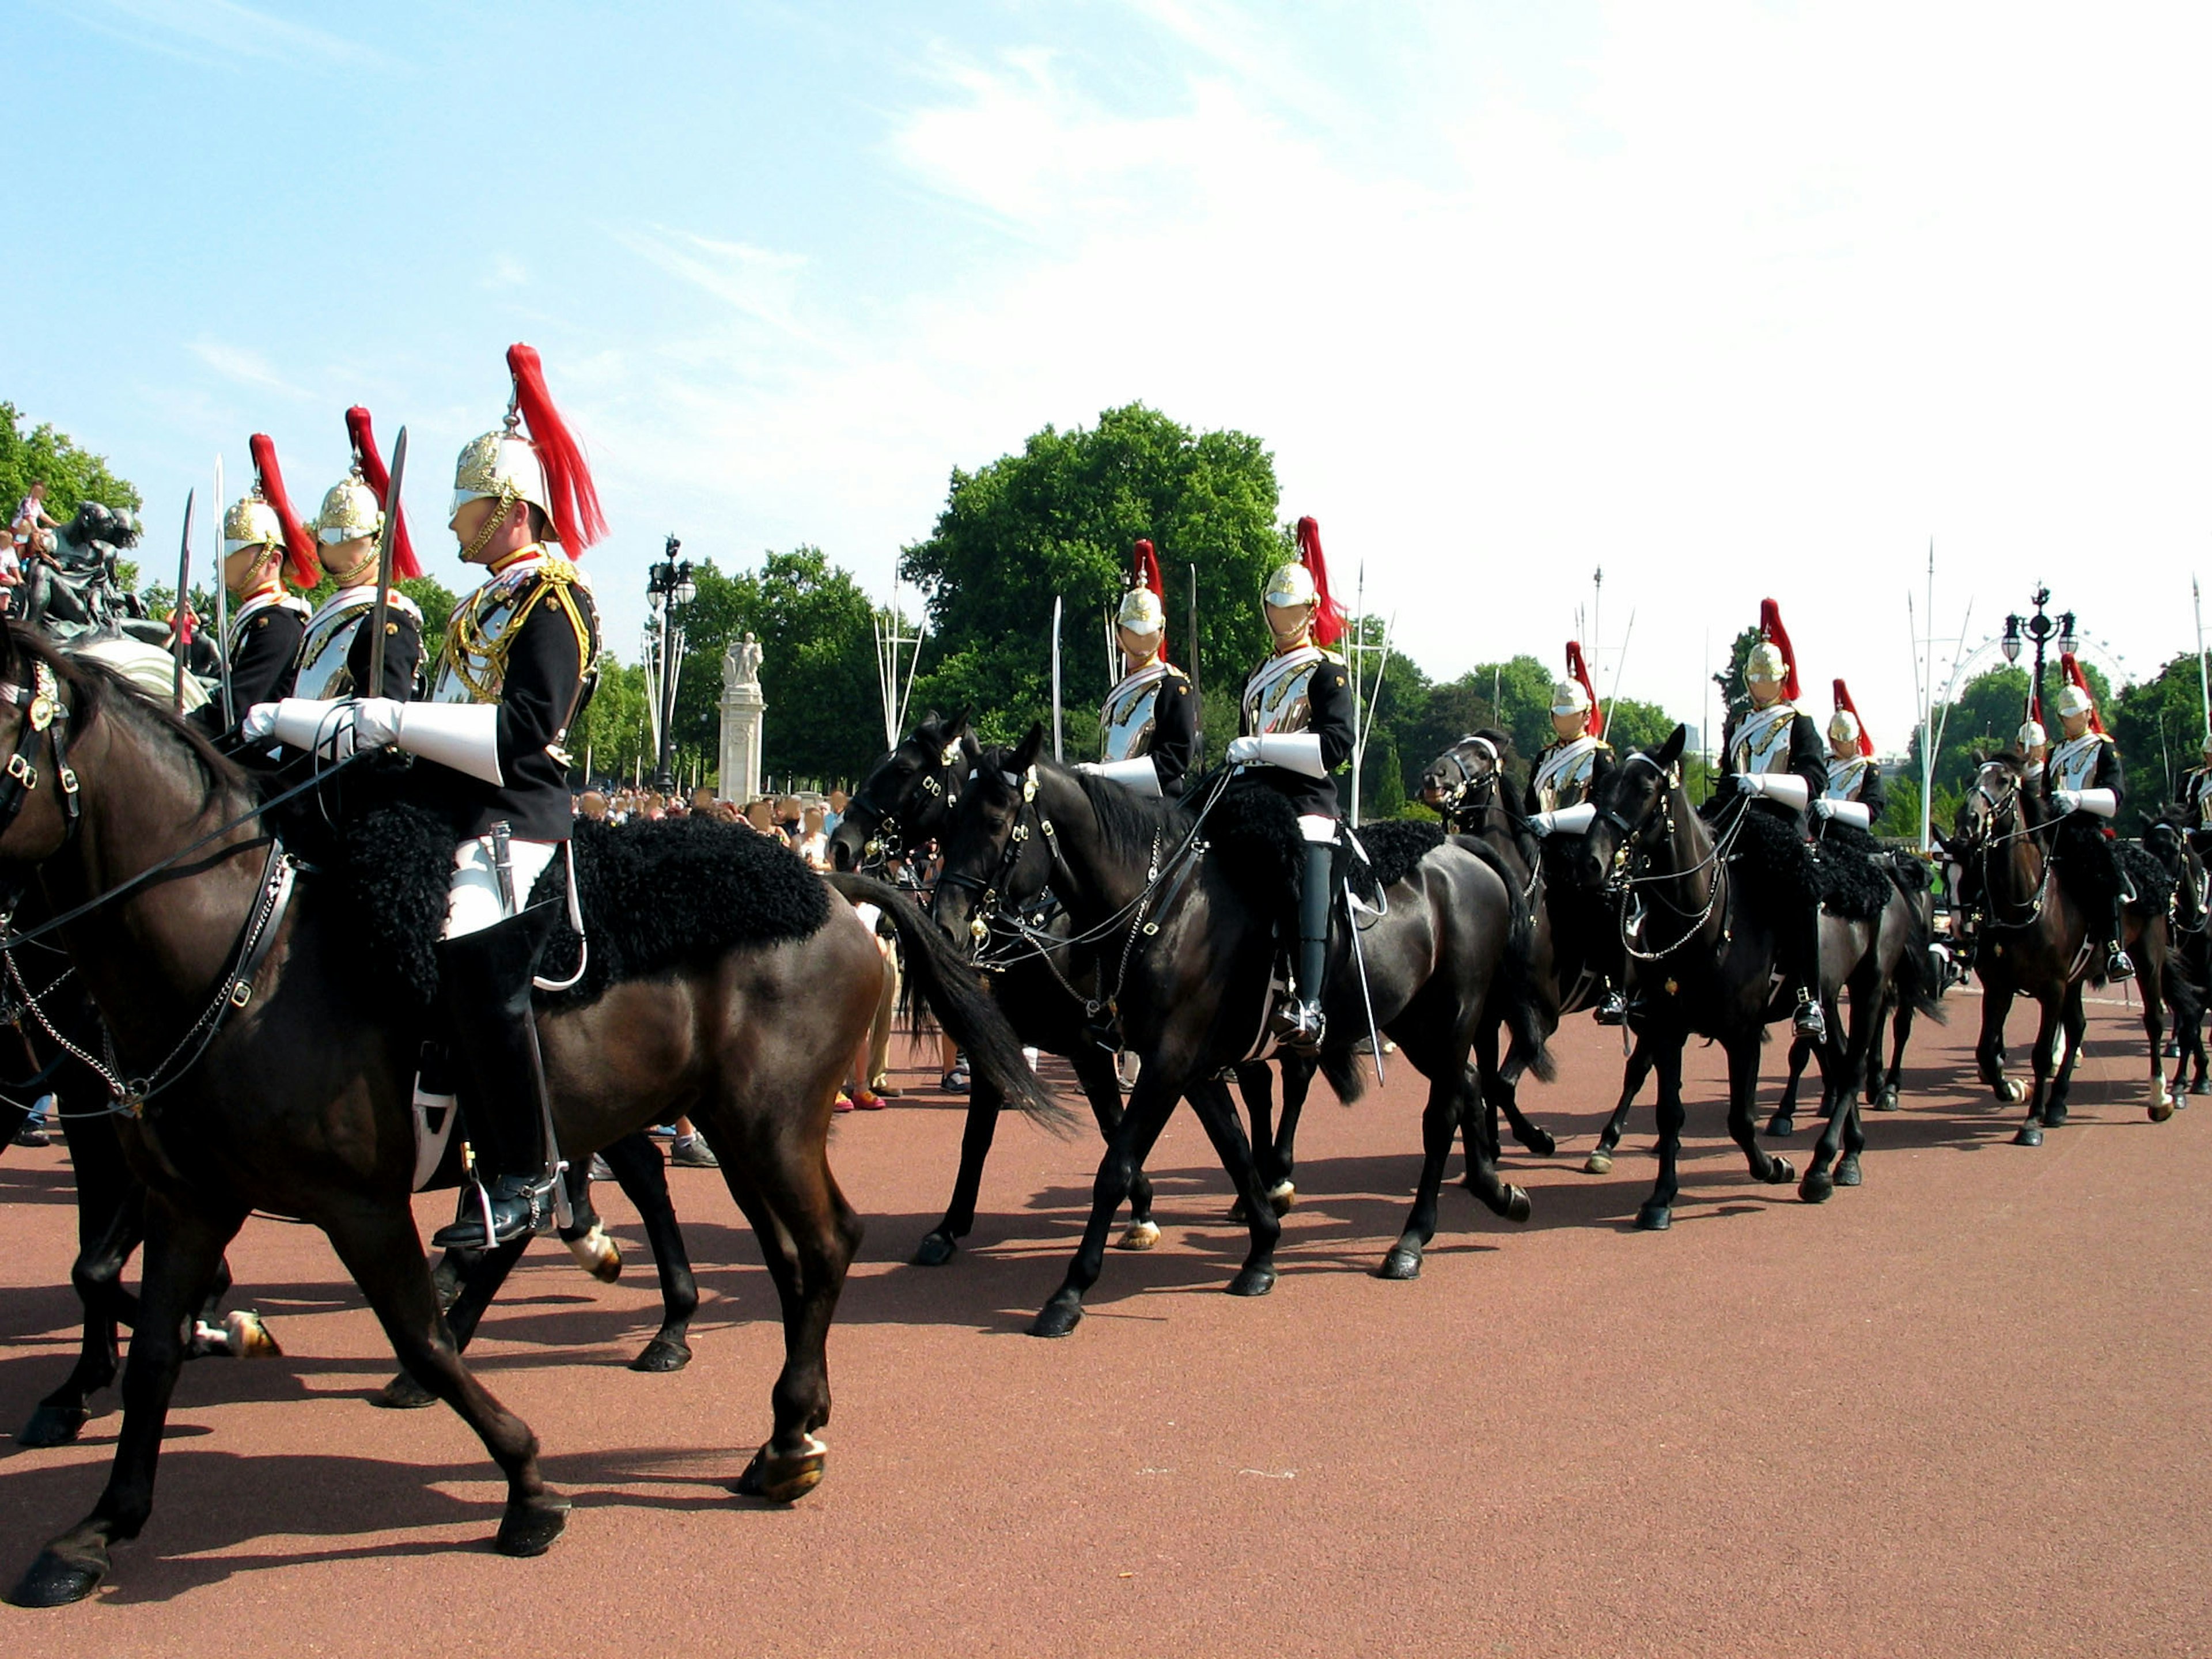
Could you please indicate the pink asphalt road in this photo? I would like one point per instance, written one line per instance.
(1959, 1410)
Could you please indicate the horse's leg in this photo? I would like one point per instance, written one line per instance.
(808, 1236)
(1095, 1071)
(1658, 1212)
(182, 1249)
(2073, 1023)
(95, 1276)
(938, 1244)
(1255, 1081)
(2153, 1000)
(1842, 1068)
(1989, 1049)
(1743, 1111)
(1900, 1032)
(1783, 1123)
(643, 1174)
(1298, 1073)
(2040, 1058)
(1216, 1112)
(1449, 1102)
(481, 1275)
(1151, 1104)
(1632, 1076)
(1532, 1136)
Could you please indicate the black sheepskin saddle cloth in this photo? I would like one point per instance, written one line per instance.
(1784, 871)
(1254, 832)
(2091, 866)
(657, 897)
(2151, 881)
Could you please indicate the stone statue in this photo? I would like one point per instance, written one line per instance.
(741, 662)
(742, 709)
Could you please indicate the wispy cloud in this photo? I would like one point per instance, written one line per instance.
(758, 283)
(243, 367)
(214, 31)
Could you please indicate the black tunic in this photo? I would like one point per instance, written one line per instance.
(262, 668)
(1808, 759)
(1329, 713)
(2108, 775)
(403, 653)
(1173, 742)
(540, 697)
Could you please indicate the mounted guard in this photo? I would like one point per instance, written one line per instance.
(1148, 725)
(1774, 754)
(512, 679)
(1854, 793)
(2195, 804)
(264, 545)
(2084, 786)
(1294, 729)
(334, 658)
(1557, 799)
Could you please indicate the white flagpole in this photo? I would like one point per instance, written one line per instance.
(2203, 679)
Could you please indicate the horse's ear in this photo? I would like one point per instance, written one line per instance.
(1025, 756)
(1671, 750)
(956, 728)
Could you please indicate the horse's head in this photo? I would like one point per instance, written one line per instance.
(1631, 810)
(993, 853)
(906, 798)
(1465, 777)
(1992, 804)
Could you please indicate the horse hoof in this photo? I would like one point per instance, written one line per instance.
(1888, 1102)
(247, 1338)
(2011, 1091)
(1847, 1170)
(662, 1355)
(1401, 1264)
(1654, 1218)
(1817, 1187)
(782, 1477)
(2201, 1086)
(597, 1254)
(2029, 1135)
(1598, 1164)
(2161, 1109)
(935, 1250)
(1540, 1142)
(1252, 1281)
(1141, 1236)
(1281, 1196)
(404, 1394)
(55, 1581)
(53, 1426)
(1056, 1318)
(1516, 1204)
(531, 1524)
(1782, 1174)
(1782, 1125)
(2054, 1114)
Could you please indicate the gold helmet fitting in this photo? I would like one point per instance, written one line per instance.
(251, 522)
(349, 511)
(1291, 584)
(1141, 612)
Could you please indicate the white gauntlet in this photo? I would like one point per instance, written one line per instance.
(1294, 751)
(1786, 787)
(1140, 775)
(1566, 820)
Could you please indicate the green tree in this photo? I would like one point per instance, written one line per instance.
(614, 735)
(1060, 519)
(1631, 725)
(71, 475)
(2160, 727)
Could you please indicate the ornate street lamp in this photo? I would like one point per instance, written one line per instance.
(2039, 630)
(668, 589)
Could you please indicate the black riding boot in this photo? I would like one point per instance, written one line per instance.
(2117, 964)
(483, 986)
(1803, 966)
(1301, 1021)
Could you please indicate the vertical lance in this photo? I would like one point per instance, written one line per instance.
(222, 609)
(381, 616)
(180, 643)
(1058, 755)
(2204, 685)
(1197, 695)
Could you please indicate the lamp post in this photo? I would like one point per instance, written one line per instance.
(668, 588)
(2039, 630)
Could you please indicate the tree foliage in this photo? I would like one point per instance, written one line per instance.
(71, 475)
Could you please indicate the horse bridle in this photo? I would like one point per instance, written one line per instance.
(2012, 800)
(990, 890)
(1632, 837)
(887, 840)
(1455, 798)
(44, 717)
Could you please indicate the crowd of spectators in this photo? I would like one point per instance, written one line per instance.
(802, 824)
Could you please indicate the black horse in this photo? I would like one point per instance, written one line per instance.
(258, 1078)
(2034, 940)
(906, 800)
(2190, 965)
(1193, 945)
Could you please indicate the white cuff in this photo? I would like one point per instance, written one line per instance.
(1140, 775)
(462, 735)
(1787, 787)
(1854, 812)
(1566, 820)
(2102, 802)
(1294, 751)
(311, 724)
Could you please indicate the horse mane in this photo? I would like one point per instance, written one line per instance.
(96, 688)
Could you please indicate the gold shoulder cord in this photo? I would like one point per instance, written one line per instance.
(467, 645)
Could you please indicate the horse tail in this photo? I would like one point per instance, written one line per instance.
(952, 993)
(1346, 1076)
(1919, 987)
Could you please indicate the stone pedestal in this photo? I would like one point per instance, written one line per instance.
(743, 709)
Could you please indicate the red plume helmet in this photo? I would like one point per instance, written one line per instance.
(1579, 671)
(1328, 614)
(573, 498)
(301, 568)
(1844, 705)
(1770, 628)
(1144, 572)
(2073, 676)
(404, 566)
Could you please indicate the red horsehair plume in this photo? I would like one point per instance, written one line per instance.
(1144, 572)
(301, 568)
(2073, 671)
(1844, 703)
(1328, 614)
(574, 500)
(1579, 671)
(1770, 628)
(379, 478)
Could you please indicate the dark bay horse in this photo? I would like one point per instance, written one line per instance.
(2035, 941)
(1192, 957)
(260, 1080)
(1703, 962)
(908, 799)
(2189, 966)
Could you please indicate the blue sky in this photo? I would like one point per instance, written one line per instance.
(1731, 298)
